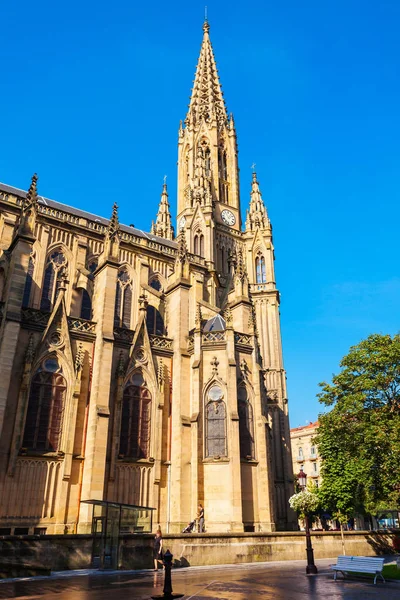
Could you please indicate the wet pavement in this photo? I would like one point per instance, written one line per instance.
(265, 581)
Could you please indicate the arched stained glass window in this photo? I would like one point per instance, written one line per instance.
(45, 408)
(56, 264)
(261, 274)
(28, 281)
(123, 300)
(135, 424)
(246, 424)
(154, 321)
(215, 420)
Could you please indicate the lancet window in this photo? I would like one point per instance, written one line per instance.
(56, 266)
(135, 424)
(246, 424)
(28, 281)
(198, 244)
(86, 306)
(45, 407)
(215, 421)
(123, 300)
(261, 273)
(154, 321)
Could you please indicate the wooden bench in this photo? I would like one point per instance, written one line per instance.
(359, 564)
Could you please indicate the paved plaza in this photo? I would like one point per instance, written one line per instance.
(275, 581)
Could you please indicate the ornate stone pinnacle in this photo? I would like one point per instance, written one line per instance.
(182, 256)
(214, 363)
(257, 214)
(79, 358)
(163, 225)
(32, 196)
(240, 266)
(113, 225)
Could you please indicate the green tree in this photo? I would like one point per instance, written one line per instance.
(359, 438)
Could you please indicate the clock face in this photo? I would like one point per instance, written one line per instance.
(228, 217)
(182, 223)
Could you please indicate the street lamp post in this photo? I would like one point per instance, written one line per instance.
(311, 568)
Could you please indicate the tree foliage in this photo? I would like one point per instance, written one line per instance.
(359, 438)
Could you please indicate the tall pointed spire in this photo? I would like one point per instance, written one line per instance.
(207, 100)
(257, 213)
(163, 226)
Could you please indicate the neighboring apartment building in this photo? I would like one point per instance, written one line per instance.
(143, 368)
(305, 452)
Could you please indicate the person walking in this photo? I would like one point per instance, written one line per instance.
(157, 549)
(200, 516)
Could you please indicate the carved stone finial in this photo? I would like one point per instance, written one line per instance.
(80, 355)
(214, 364)
(30, 351)
(121, 365)
(143, 302)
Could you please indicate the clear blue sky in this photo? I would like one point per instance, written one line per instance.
(91, 98)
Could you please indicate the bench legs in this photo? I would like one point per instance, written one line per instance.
(379, 575)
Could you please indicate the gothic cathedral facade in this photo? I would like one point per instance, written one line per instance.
(145, 368)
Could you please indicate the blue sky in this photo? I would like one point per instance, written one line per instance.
(91, 98)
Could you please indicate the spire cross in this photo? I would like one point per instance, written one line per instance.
(253, 167)
(205, 14)
(165, 179)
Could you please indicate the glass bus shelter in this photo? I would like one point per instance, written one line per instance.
(109, 521)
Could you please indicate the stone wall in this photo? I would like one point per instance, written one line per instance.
(60, 552)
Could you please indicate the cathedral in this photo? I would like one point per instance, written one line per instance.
(145, 368)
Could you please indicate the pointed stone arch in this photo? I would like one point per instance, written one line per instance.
(44, 419)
